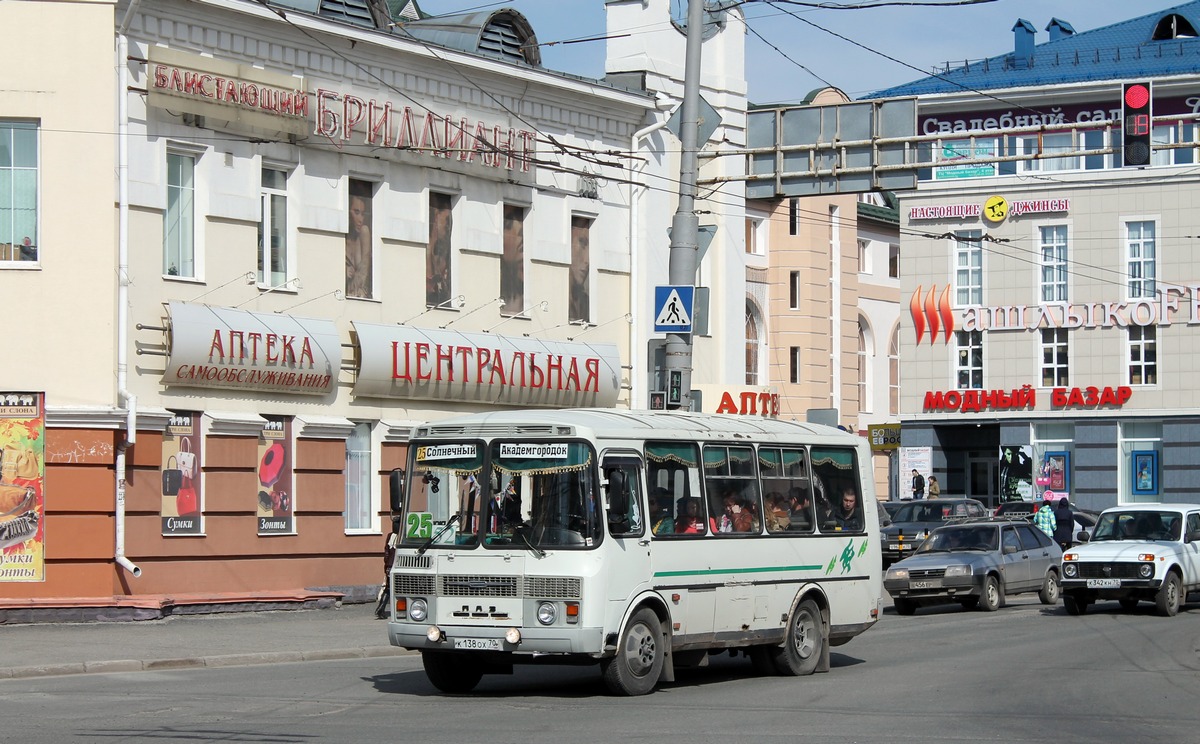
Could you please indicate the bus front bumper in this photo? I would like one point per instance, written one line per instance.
(534, 640)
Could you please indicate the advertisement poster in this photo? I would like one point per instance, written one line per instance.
(919, 459)
(1016, 472)
(181, 504)
(275, 516)
(22, 477)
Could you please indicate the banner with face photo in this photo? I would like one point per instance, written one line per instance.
(22, 478)
(180, 472)
(275, 482)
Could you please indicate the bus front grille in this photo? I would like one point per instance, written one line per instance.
(412, 585)
(478, 586)
(552, 587)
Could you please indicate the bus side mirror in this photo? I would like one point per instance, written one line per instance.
(618, 495)
(396, 489)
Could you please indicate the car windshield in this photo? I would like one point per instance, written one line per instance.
(530, 495)
(925, 511)
(1132, 524)
(954, 539)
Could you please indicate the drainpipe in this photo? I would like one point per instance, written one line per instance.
(637, 375)
(128, 398)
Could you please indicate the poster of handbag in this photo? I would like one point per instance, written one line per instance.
(22, 480)
(181, 475)
(273, 497)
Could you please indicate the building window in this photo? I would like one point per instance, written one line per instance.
(359, 501)
(1143, 355)
(794, 371)
(753, 345)
(1139, 242)
(894, 373)
(894, 261)
(273, 229)
(360, 247)
(18, 191)
(1055, 357)
(1171, 134)
(968, 268)
(864, 403)
(179, 233)
(512, 261)
(794, 290)
(794, 215)
(969, 363)
(756, 235)
(1054, 263)
(437, 253)
(579, 308)
(864, 256)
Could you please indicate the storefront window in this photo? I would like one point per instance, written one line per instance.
(359, 498)
(1140, 463)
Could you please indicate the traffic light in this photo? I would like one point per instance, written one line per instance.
(1135, 124)
(675, 387)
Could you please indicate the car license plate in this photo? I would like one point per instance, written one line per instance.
(900, 546)
(1103, 583)
(927, 584)
(478, 644)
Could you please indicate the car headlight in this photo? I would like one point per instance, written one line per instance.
(899, 574)
(418, 610)
(547, 613)
(957, 571)
(1146, 570)
(1070, 570)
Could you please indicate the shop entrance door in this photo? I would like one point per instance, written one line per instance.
(981, 479)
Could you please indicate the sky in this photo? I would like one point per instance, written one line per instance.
(792, 58)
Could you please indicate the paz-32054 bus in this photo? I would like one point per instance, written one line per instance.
(639, 541)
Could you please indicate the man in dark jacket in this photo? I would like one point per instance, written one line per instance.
(1064, 526)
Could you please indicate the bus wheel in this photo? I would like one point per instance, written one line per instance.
(801, 650)
(639, 660)
(454, 673)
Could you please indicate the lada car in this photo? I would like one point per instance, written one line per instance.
(913, 522)
(976, 563)
(1137, 552)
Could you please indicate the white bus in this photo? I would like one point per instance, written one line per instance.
(640, 541)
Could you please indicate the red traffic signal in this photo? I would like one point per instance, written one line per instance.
(1136, 124)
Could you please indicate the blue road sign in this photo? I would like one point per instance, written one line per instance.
(673, 308)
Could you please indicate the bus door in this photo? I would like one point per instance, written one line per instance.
(627, 557)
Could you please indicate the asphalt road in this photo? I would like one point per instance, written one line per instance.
(1026, 673)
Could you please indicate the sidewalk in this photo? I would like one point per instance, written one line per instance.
(226, 639)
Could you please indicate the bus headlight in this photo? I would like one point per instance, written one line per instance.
(547, 613)
(513, 635)
(418, 610)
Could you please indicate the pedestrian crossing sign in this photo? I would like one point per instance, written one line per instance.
(673, 308)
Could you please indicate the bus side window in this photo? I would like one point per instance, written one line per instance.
(624, 497)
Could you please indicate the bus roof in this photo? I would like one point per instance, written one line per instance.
(622, 423)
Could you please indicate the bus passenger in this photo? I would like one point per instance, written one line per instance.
(661, 521)
(848, 516)
(800, 509)
(778, 518)
(689, 522)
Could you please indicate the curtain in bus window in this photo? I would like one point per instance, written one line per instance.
(680, 454)
(547, 495)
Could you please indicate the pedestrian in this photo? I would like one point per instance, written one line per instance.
(1065, 525)
(1044, 519)
(934, 489)
(918, 485)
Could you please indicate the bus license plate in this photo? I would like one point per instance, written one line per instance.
(925, 584)
(1104, 583)
(478, 644)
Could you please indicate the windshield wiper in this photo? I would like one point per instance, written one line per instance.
(449, 523)
(519, 531)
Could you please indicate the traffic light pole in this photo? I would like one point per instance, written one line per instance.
(685, 226)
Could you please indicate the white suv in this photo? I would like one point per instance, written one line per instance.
(1137, 552)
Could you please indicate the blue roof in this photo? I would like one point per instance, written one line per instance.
(1149, 46)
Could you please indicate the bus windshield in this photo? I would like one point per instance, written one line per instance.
(531, 495)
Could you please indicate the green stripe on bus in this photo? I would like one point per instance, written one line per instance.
(711, 571)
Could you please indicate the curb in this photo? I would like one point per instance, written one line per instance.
(200, 662)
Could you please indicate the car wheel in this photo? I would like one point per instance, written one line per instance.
(453, 673)
(1049, 592)
(801, 650)
(969, 603)
(904, 606)
(636, 667)
(1074, 605)
(1167, 599)
(993, 594)
(1128, 603)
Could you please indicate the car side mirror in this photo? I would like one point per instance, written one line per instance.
(396, 489)
(1010, 549)
(1082, 537)
(1193, 536)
